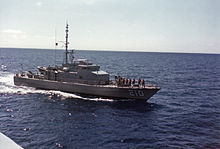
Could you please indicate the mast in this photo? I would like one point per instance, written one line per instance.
(66, 44)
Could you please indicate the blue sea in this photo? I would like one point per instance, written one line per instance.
(185, 113)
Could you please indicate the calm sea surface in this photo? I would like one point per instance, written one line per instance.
(185, 113)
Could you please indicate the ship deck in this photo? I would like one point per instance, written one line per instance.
(113, 85)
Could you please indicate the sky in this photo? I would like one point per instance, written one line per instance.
(191, 26)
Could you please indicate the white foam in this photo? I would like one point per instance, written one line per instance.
(7, 87)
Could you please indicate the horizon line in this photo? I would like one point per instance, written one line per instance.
(106, 50)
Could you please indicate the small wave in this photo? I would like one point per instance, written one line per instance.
(7, 87)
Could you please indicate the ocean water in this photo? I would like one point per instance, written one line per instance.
(185, 113)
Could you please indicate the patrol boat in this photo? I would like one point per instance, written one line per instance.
(80, 76)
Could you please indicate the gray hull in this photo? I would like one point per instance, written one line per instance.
(106, 91)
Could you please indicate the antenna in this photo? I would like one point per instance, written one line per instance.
(22, 69)
(56, 44)
(66, 44)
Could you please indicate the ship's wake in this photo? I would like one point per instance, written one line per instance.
(7, 87)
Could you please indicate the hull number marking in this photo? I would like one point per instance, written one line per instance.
(136, 93)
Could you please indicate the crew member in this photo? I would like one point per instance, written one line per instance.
(133, 82)
(129, 82)
(139, 82)
(126, 81)
(123, 81)
(143, 83)
(119, 81)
